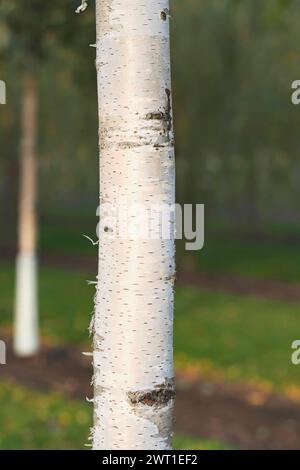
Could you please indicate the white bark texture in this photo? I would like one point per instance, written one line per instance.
(133, 322)
(26, 339)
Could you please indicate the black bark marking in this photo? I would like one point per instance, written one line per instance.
(164, 14)
(157, 116)
(169, 109)
(165, 117)
(159, 397)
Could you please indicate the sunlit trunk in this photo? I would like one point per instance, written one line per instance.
(26, 339)
(133, 324)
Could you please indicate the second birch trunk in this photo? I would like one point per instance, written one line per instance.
(26, 339)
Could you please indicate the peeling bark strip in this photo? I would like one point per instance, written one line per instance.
(133, 321)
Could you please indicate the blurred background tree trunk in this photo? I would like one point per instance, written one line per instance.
(26, 316)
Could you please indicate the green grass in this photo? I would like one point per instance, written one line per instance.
(70, 241)
(260, 260)
(34, 420)
(243, 337)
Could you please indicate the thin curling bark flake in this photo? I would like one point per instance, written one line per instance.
(133, 322)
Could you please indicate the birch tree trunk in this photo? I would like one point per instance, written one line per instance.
(133, 323)
(26, 339)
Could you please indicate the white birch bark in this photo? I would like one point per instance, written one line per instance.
(133, 323)
(26, 340)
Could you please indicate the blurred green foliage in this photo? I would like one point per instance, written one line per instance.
(237, 131)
